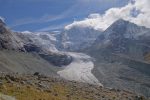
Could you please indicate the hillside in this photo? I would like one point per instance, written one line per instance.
(39, 87)
(13, 61)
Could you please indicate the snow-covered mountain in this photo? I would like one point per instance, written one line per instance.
(122, 57)
(126, 29)
(126, 38)
(46, 40)
(77, 37)
(46, 44)
(70, 39)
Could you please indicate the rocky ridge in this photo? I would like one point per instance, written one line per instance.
(8, 40)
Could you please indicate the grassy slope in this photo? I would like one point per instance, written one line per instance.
(57, 89)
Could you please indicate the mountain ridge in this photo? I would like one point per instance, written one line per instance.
(118, 55)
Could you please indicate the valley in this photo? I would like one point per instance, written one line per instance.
(110, 59)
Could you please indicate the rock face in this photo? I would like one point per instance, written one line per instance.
(8, 40)
(58, 59)
(77, 38)
(120, 54)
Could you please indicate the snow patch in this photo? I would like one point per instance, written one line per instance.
(26, 32)
(2, 19)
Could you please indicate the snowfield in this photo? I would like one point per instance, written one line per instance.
(80, 69)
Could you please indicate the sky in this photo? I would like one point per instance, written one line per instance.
(50, 15)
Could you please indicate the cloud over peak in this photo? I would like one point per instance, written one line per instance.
(136, 11)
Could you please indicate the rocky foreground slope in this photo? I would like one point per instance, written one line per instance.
(39, 87)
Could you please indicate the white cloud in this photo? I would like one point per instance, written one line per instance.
(45, 18)
(144, 17)
(51, 28)
(103, 21)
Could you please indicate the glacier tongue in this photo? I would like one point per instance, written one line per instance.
(80, 69)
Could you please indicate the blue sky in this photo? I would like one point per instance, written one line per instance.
(34, 15)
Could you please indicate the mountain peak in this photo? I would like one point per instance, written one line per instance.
(124, 29)
(121, 22)
(119, 27)
(2, 21)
